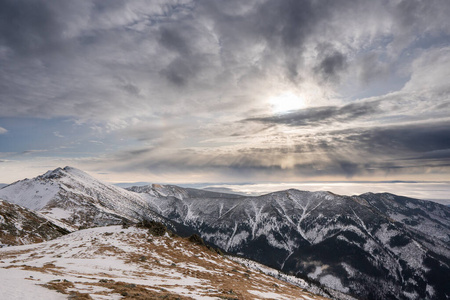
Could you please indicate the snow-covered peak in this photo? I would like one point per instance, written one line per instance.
(73, 195)
(32, 193)
(69, 172)
(36, 193)
(52, 174)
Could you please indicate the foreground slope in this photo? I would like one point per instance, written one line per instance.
(353, 244)
(131, 263)
(19, 226)
(73, 196)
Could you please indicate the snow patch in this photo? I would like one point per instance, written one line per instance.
(18, 285)
(333, 282)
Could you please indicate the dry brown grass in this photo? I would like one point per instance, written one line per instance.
(108, 250)
(138, 292)
(63, 286)
(232, 281)
(48, 268)
(172, 259)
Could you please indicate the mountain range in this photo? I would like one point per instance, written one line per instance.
(374, 246)
(371, 246)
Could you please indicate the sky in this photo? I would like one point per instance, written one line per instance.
(226, 91)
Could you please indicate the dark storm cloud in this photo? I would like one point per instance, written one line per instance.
(332, 65)
(299, 18)
(400, 149)
(434, 155)
(186, 65)
(31, 27)
(173, 39)
(322, 115)
(331, 62)
(181, 70)
(395, 149)
(417, 141)
(402, 140)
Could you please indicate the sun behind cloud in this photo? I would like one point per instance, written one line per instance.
(286, 102)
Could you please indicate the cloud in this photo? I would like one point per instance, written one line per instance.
(3, 130)
(57, 134)
(379, 151)
(64, 59)
(435, 155)
(37, 27)
(28, 152)
(430, 70)
(186, 85)
(322, 115)
(331, 62)
(402, 140)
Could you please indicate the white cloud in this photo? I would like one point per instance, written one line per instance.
(430, 71)
(3, 130)
(57, 134)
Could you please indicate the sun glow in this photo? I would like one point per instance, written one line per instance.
(286, 102)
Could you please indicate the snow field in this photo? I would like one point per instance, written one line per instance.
(99, 260)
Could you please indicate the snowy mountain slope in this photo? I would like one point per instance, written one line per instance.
(374, 246)
(426, 217)
(73, 196)
(20, 226)
(180, 193)
(311, 287)
(130, 263)
(347, 243)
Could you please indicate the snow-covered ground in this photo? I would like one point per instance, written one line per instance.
(113, 262)
(21, 284)
(324, 291)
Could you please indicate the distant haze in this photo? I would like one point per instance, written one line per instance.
(434, 191)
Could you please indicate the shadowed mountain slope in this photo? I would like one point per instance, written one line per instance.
(19, 226)
(374, 246)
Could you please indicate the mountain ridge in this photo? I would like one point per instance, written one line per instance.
(298, 227)
(373, 246)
